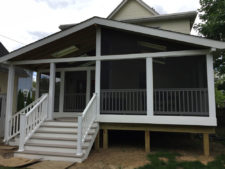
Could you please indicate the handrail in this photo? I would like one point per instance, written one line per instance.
(32, 120)
(85, 122)
(88, 105)
(14, 121)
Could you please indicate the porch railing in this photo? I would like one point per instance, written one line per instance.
(14, 121)
(187, 102)
(30, 121)
(123, 101)
(74, 102)
(181, 101)
(85, 121)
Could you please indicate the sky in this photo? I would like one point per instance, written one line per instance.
(25, 21)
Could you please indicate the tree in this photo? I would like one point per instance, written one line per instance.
(29, 99)
(20, 101)
(212, 14)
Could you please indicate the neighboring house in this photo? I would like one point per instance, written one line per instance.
(3, 88)
(117, 73)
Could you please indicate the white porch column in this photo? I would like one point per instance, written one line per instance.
(98, 68)
(88, 87)
(149, 87)
(61, 93)
(9, 100)
(37, 85)
(210, 82)
(51, 91)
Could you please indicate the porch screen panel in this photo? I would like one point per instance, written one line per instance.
(75, 91)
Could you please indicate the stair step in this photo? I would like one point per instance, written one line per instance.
(56, 145)
(62, 139)
(59, 124)
(50, 156)
(53, 142)
(60, 130)
(52, 149)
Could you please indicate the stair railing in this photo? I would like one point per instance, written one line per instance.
(31, 121)
(14, 121)
(85, 121)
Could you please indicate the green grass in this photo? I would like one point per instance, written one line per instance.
(155, 163)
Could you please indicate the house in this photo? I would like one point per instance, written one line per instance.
(3, 88)
(135, 70)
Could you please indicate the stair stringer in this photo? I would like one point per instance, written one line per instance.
(91, 143)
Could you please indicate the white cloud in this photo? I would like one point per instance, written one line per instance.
(28, 20)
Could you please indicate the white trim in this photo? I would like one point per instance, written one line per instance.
(37, 85)
(98, 69)
(115, 57)
(118, 25)
(88, 86)
(149, 87)
(71, 69)
(51, 91)
(61, 94)
(210, 82)
(66, 114)
(9, 100)
(167, 120)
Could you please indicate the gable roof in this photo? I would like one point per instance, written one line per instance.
(181, 15)
(143, 4)
(117, 25)
(3, 50)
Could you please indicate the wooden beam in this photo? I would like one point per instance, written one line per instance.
(97, 142)
(157, 127)
(9, 101)
(147, 141)
(51, 91)
(210, 84)
(206, 144)
(105, 138)
(149, 86)
(115, 57)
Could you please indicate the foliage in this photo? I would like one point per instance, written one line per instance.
(29, 99)
(212, 14)
(156, 163)
(20, 100)
(220, 91)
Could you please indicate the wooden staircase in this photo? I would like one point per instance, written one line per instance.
(57, 140)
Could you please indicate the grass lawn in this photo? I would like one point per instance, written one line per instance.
(163, 160)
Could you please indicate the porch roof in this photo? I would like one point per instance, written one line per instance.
(84, 33)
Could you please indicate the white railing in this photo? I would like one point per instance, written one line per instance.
(85, 122)
(74, 102)
(14, 121)
(30, 121)
(191, 101)
(123, 101)
(183, 102)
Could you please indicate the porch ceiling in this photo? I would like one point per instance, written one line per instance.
(84, 40)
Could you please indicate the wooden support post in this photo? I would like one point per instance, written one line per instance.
(105, 138)
(97, 141)
(147, 141)
(149, 87)
(9, 101)
(88, 86)
(37, 85)
(206, 144)
(61, 93)
(51, 91)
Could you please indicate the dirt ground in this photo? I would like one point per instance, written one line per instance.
(122, 155)
(114, 158)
